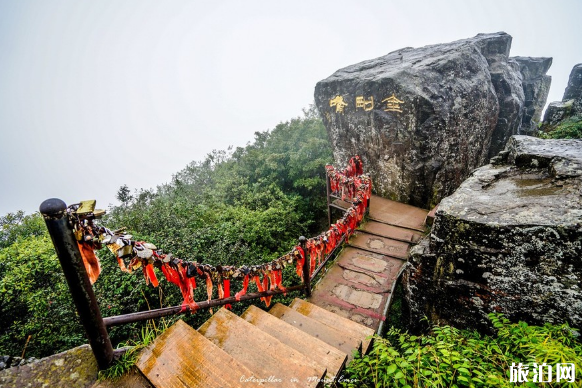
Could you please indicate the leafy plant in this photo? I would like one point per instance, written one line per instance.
(148, 334)
(448, 357)
(570, 128)
(242, 206)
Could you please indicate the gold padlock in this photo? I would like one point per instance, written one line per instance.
(114, 248)
(125, 251)
(79, 234)
(86, 207)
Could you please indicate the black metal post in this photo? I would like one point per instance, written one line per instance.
(306, 267)
(328, 189)
(54, 212)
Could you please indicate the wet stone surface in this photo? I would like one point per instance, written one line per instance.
(508, 240)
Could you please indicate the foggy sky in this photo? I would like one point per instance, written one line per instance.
(97, 94)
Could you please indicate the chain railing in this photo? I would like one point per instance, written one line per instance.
(76, 235)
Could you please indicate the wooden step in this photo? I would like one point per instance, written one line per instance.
(310, 347)
(344, 324)
(183, 358)
(327, 334)
(265, 355)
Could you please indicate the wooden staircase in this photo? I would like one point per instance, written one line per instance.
(298, 346)
(305, 344)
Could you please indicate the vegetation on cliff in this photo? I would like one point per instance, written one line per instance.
(242, 206)
(570, 128)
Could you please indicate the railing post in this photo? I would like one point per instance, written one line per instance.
(306, 267)
(328, 189)
(54, 212)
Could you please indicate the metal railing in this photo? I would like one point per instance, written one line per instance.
(54, 212)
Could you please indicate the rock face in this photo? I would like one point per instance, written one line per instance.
(536, 86)
(508, 240)
(571, 104)
(422, 119)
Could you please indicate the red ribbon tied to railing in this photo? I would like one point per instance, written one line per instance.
(349, 183)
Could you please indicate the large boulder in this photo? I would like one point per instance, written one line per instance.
(422, 119)
(536, 86)
(571, 104)
(508, 240)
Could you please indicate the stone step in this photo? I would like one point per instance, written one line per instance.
(328, 334)
(377, 244)
(391, 231)
(183, 358)
(346, 325)
(310, 347)
(397, 214)
(260, 352)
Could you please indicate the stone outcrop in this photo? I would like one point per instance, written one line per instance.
(76, 367)
(536, 86)
(508, 240)
(422, 119)
(571, 104)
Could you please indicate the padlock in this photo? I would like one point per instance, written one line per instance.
(86, 207)
(191, 270)
(144, 253)
(149, 246)
(125, 251)
(79, 234)
(135, 263)
(114, 248)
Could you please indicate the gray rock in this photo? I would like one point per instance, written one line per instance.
(536, 86)
(514, 230)
(507, 81)
(422, 119)
(571, 104)
(574, 89)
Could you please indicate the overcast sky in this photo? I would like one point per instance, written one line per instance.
(97, 94)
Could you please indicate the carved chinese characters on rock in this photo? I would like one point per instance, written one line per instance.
(364, 104)
(339, 103)
(393, 104)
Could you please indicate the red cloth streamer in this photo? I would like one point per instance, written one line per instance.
(244, 290)
(300, 262)
(90, 261)
(122, 265)
(150, 275)
(186, 285)
(279, 281)
(227, 292)
(266, 288)
(259, 286)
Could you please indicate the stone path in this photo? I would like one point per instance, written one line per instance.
(360, 283)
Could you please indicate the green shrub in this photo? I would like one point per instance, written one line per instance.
(571, 128)
(448, 357)
(247, 206)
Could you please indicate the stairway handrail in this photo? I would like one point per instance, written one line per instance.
(75, 236)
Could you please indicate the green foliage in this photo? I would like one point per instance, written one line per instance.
(35, 300)
(448, 357)
(18, 225)
(570, 128)
(242, 206)
(148, 334)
